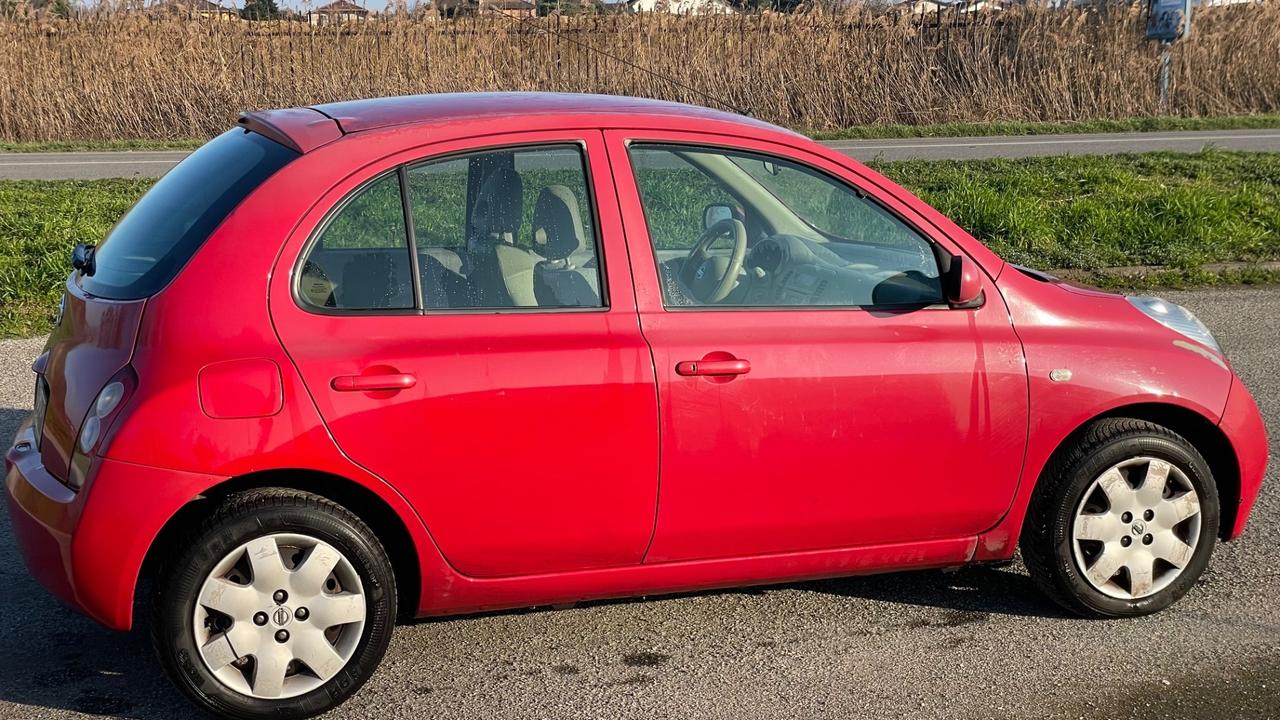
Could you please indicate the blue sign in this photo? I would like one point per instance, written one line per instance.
(1168, 20)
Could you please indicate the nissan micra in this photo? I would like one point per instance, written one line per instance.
(442, 354)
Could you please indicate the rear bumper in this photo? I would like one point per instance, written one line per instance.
(1242, 424)
(87, 548)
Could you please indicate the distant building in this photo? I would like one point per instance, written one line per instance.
(337, 11)
(929, 7)
(202, 9)
(510, 8)
(681, 7)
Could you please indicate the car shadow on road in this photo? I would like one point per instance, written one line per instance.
(10, 419)
(998, 589)
(989, 589)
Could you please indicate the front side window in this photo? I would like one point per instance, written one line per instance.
(740, 229)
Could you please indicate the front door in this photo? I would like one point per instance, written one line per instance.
(816, 390)
(494, 374)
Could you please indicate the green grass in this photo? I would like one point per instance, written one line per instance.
(1148, 124)
(1090, 212)
(859, 132)
(39, 224)
(1080, 213)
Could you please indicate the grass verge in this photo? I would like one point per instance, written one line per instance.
(96, 145)
(987, 129)
(860, 132)
(1081, 214)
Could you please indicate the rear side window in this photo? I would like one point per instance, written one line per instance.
(148, 247)
(361, 258)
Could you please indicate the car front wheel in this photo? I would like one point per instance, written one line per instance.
(1124, 520)
(280, 605)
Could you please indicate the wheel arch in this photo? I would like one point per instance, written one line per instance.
(374, 511)
(1203, 434)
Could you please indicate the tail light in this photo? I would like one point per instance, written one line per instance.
(105, 408)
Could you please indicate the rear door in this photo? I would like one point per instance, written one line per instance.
(525, 435)
(831, 399)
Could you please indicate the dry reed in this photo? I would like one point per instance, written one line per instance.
(127, 76)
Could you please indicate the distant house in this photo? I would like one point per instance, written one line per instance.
(338, 11)
(510, 8)
(681, 7)
(202, 9)
(929, 7)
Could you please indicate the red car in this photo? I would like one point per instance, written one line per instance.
(431, 355)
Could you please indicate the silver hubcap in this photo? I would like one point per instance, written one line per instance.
(280, 615)
(1136, 528)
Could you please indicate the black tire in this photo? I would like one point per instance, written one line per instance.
(1046, 535)
(239, 519)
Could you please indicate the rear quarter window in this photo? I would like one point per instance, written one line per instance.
(151, 243)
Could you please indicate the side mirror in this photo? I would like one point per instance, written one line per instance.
(962, 283)
(82, 259)
(713, 214)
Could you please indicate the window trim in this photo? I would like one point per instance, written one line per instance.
(401, 170)
(631, 143)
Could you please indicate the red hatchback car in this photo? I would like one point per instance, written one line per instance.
(443, 354)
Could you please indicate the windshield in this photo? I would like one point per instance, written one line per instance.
(145, 250)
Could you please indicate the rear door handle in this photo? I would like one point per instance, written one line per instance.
(366, 383)
(713, 367)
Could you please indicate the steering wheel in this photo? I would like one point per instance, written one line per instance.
(710, 278)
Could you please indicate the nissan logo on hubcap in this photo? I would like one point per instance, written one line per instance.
(281, 616)
(1138, 528)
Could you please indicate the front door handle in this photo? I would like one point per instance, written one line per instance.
(713, 367)
(367, 383)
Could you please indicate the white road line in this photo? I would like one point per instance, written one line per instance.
(90, 162)
(839, 145)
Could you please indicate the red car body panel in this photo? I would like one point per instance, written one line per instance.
(1242, 426)
(674, 483)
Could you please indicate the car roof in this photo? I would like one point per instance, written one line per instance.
(307, 128)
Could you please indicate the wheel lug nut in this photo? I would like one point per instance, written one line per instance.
(260, 618)
(1148, 539)
(302, 613)
(1127, 517)
(1126, 541)
(282, 636)
(1148, 515)
(280, 596)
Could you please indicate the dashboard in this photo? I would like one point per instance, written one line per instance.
(791, 270)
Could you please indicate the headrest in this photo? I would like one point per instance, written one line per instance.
(499, 204)
(557, 225)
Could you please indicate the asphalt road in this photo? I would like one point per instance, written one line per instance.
(977, 643)
(90, 165)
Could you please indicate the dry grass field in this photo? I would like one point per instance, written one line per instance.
(132, 76)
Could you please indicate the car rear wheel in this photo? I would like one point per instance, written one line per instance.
(280, 605)
(1124, 520)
